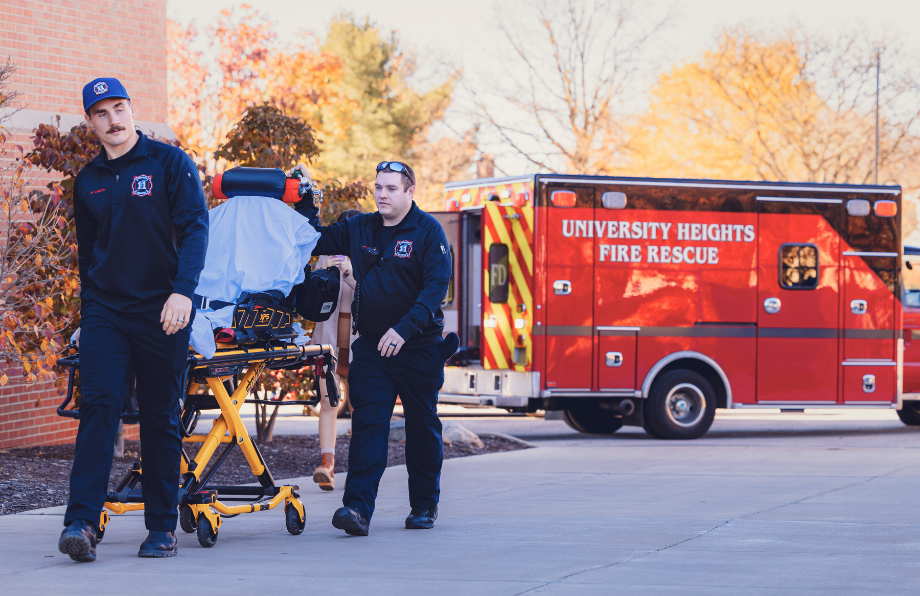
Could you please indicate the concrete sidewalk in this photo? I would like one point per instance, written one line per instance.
(574, 516)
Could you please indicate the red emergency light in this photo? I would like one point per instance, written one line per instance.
(563, 198)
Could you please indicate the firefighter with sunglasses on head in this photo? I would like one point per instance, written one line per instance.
(402, 267)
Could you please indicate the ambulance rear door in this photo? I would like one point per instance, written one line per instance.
(569, 318)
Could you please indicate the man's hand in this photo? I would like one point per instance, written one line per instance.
(304, 174)
(390, 343)
(176, 313)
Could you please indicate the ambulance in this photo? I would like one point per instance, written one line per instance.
(653, 302)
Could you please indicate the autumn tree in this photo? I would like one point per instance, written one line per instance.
(793, 106)
(358, 90)
(383, 114)
(562, 101)
(266, 137)
(37, 288)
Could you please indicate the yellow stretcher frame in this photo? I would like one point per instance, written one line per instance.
(200, 507)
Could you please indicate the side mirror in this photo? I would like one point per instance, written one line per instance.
(908, 265)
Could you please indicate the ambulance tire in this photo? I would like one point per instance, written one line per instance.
(910, 413)
(591, 419)
(681, 405)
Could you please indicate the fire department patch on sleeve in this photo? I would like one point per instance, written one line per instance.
(142, 186)
(403, 248)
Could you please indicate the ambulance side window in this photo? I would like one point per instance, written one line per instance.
(798, 266)
(498, 273)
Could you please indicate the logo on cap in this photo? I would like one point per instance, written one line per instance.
(142, 186)
(100, 88)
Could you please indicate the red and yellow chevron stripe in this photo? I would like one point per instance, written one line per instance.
(518, 193)
(507, 328)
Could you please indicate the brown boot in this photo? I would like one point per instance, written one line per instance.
(324, 475)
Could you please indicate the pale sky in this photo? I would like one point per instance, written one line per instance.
(464, 32)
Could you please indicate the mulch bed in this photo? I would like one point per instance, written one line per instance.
(36, 477)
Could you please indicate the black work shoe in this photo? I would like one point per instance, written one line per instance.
(421, 519)
(351, 521)
(79, 541)
(159, 544)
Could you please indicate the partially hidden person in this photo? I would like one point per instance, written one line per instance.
(337, 331)
(402, 268)
(142, 235)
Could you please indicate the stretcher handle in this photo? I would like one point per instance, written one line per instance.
(73, 363)
(332, 388)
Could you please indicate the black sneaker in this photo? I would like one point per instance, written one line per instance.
(421, 519)
(159, 544)
(79, 541)
(351, 521)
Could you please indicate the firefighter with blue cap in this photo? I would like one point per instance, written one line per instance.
(142, 234)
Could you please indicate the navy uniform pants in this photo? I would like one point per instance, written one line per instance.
(110, 342)
(374, 382)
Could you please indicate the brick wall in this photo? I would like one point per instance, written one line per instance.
(58, 46)
(28, 417)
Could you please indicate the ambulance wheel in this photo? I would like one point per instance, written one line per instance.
(590, 418)
(910, 413)
(187, 520)
(292, 520)
(681, 405)
(206, 535)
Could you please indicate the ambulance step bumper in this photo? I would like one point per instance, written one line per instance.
(502, 388)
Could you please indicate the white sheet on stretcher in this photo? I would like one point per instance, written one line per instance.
(254, 244)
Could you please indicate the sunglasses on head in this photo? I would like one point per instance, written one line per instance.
(395, 166)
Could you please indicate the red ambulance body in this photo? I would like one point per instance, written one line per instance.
(653, 302)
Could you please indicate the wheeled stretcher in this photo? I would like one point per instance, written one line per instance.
(227, 358)
(230, 376)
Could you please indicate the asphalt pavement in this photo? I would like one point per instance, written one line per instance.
(767, 503)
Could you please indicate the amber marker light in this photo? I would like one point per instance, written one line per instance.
(886, 208)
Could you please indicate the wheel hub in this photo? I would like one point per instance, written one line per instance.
(685, 404)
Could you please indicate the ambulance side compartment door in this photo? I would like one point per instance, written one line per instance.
(569, 317)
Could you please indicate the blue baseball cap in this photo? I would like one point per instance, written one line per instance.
(105, 88)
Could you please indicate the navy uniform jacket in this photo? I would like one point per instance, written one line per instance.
(142, 231)
(402, 284)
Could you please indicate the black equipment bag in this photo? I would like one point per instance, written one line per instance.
(316, 298)
(262, 316)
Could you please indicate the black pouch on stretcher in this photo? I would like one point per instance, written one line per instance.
(318, 295)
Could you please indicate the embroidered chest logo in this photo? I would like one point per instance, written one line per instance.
(403, 248)
(142, 186)
(100, 88)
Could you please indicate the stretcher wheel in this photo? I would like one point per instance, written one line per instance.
(207, 536)
(187, 520)
(103, 522)
(292, 520)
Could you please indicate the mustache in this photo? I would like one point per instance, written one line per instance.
(115, 128)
